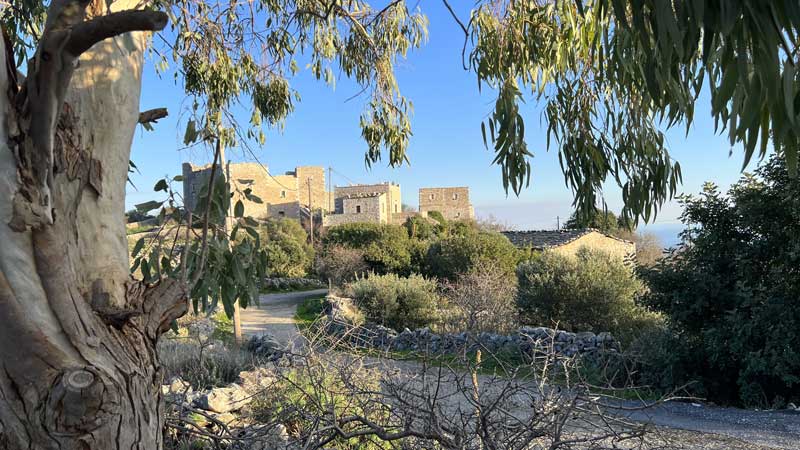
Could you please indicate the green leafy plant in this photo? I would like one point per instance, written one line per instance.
(385, 247)
(460, 252)
(395, 301)
(286, 245)
(592, 291)
(730, 290)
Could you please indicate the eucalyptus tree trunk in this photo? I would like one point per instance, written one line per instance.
(77, 333)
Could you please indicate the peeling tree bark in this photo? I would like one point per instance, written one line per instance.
(78, 366)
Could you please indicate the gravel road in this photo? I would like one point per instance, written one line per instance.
(692, 426)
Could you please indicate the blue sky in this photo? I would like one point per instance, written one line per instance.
(445, 150)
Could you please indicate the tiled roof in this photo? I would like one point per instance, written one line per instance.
(542, 239)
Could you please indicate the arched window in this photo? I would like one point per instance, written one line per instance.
(283, 194)
(455, 196)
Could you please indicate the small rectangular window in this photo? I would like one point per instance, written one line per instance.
(281, 213)
(433, 196)
(358, 209)
(455, 196)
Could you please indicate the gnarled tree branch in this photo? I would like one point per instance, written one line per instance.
(152, 115)
(85, 34)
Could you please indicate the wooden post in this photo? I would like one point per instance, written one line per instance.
(227, 226)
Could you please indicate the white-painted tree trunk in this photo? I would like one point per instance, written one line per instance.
(78, 335)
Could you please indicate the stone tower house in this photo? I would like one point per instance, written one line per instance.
(452, 202)
(282, 195)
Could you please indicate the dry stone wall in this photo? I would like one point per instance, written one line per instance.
(527, 341)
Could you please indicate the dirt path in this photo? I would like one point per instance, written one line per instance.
(704, 427)
(275, 315)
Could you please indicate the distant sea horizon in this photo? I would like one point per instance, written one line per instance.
(667, 233)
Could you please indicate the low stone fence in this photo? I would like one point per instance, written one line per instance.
(285, 284)
(526, 341)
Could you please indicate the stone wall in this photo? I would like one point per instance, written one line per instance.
(401, 217)
(392, 191)
(452, 202)
(282, 195)
(316, 175)
(527, 341)
(359, 208)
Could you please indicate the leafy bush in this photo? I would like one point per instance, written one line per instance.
(286, 243)
(459, 253)
(731, 290)
(341, 264)
(385, 247)
(395, 301)
(419, 228)
(592, 291)
(310, 309)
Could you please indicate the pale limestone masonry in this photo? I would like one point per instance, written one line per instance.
(452, 202)
(359, 207)
(374, 203)
(282, 195)
(568, 242)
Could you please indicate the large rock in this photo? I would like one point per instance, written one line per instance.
(257, 380)
(265, 346)
(176, 386)
(223, 400)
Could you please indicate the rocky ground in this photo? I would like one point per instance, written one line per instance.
(676, 425)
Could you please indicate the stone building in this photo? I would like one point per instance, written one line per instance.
(375, 203)
(360, 207)
(285, 195)
(452, 202)
(568, 242)
(382, 203)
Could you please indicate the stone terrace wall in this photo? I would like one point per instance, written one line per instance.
(528, 341)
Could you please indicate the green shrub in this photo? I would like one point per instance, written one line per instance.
(437, 216)
(310, 309)
(731, 290)
(385, 247)
(419, 228)
(396, 302)
(592, 291)
(286, 243)
(459, 253)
